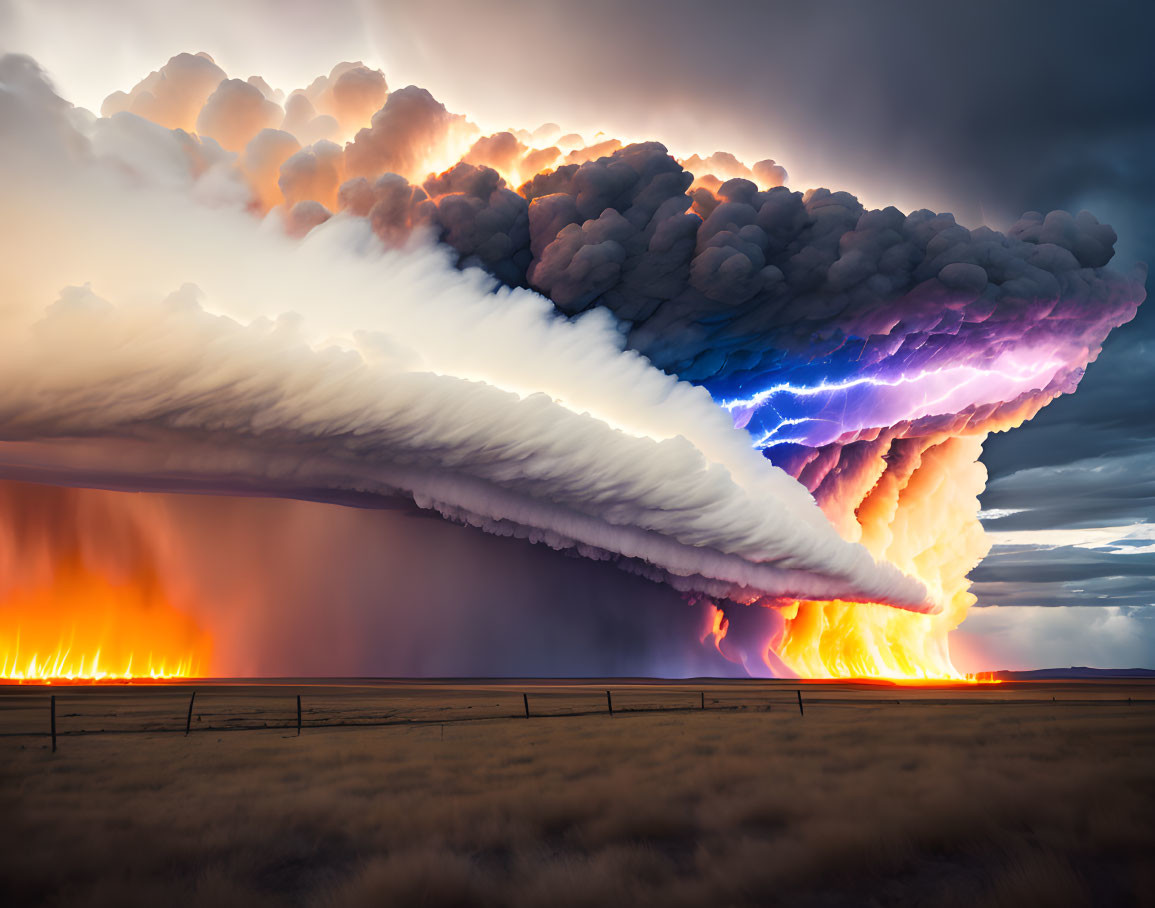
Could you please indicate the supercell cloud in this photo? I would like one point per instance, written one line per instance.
(348, 293)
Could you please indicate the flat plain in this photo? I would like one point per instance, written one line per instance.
(692, 793)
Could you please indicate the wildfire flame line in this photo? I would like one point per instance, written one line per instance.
(64, 665)
(65, 617)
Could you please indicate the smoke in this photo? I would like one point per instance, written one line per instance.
(331, 368)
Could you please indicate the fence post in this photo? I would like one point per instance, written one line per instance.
(298, 715)
(609, 703)
(801, 712)
(52, 709)
(188, 721)
(525, 700)
(703, 695)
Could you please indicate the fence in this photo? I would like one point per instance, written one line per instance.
(151, 709)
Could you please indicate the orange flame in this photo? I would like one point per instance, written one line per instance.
(716, 626)
(86, 626)
(920, 513)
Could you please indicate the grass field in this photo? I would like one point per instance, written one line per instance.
(438, 794)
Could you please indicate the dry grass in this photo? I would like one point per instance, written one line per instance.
(994, 804)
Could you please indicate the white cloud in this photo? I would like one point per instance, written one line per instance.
(1105, 538)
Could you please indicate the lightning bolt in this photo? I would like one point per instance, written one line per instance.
(959, 376)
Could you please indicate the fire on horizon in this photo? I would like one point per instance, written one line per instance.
(328, 351)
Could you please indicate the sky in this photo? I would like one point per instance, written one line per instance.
(987, 110)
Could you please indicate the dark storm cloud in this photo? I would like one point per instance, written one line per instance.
(1104, 491)
(1070, 565)
(773, 272)
(771, 277)
(987, 109)
(1100, 590)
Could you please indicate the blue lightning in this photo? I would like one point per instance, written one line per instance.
(1002, 382)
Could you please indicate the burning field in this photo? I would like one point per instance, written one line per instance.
(991, 795)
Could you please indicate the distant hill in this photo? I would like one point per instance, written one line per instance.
(1075, 671)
